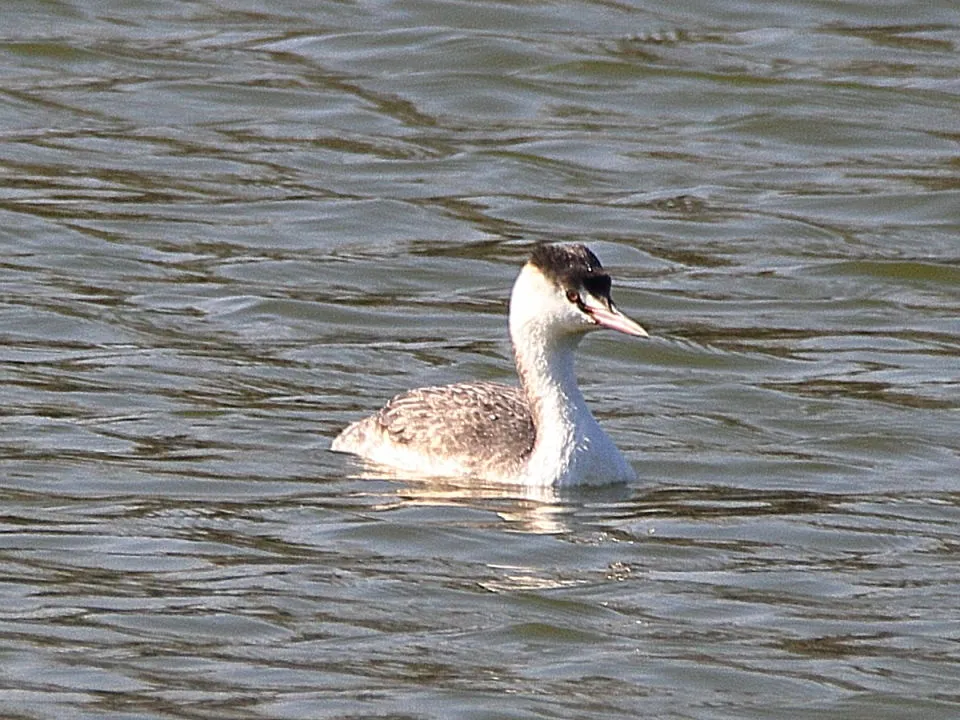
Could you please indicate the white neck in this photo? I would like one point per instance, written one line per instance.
(570, 446)
(560, 414)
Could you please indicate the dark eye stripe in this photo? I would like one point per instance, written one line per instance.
(597, 285)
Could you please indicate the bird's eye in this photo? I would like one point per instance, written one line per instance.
(573, 296)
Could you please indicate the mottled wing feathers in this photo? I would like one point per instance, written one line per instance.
(485, 421)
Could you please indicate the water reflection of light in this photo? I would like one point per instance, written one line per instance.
(515, 577)
(533, 509)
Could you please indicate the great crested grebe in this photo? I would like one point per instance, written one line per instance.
(541, 433)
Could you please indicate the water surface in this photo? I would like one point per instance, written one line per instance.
(231, 228)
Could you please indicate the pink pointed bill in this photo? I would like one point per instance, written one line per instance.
(614, 319)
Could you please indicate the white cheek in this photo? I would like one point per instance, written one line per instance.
(538, 302)
(575, 317)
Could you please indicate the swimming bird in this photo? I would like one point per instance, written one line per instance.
(541, 433)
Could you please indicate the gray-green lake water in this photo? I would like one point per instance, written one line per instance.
(229, 228)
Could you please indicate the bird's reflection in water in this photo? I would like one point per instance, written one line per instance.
(544, 510)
